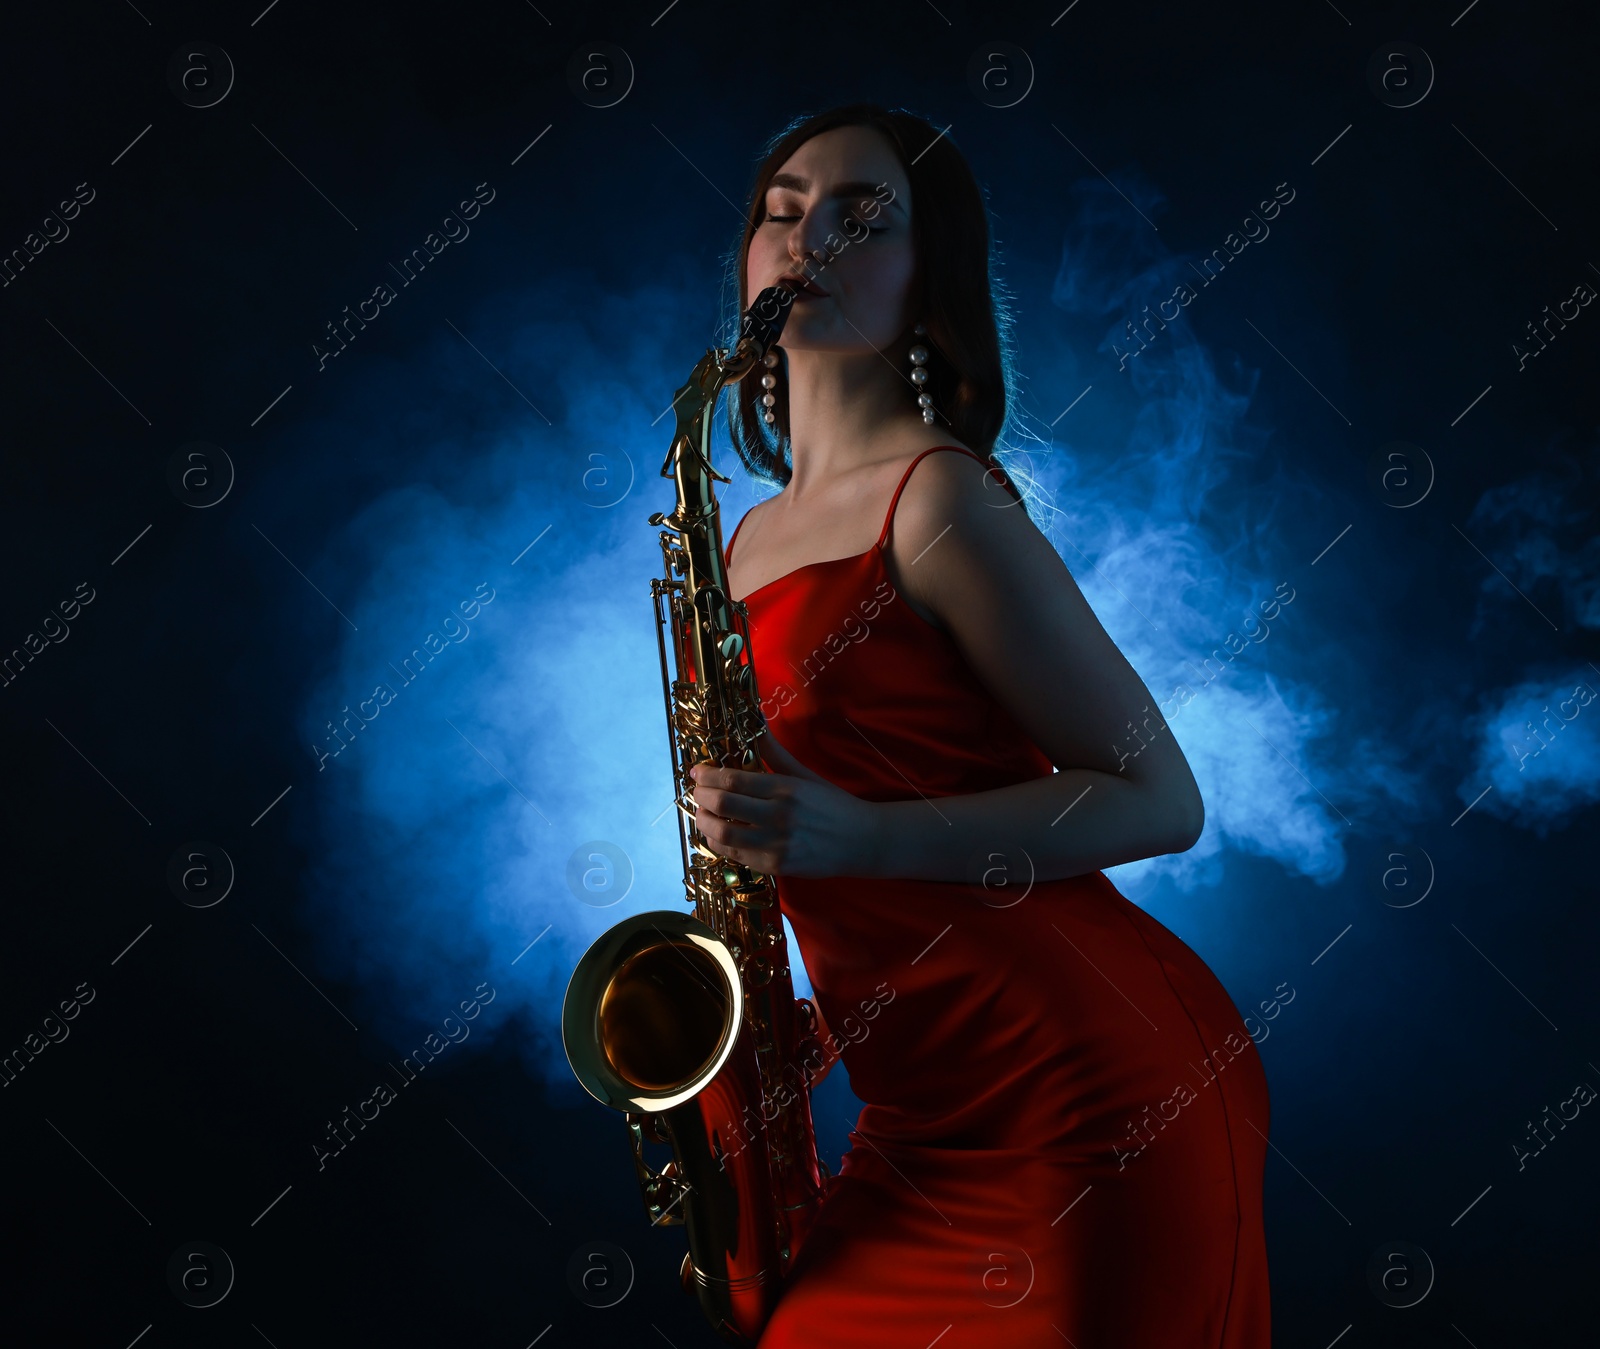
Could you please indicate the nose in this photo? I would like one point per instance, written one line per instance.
(806, 239)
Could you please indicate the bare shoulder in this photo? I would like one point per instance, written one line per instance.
(957, 519)
(966, 552)
(751, 516)
(953, 480)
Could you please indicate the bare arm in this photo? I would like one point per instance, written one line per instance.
(990, 579)
(1002, 592)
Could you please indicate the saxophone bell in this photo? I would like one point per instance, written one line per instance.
(652, 1012)
(654, 1024)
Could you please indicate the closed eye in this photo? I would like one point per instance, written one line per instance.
(786, 219)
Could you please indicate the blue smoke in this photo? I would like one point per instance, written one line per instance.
(1535, 744)
(1540, 529)
(1537, 751)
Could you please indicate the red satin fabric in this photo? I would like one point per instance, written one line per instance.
(1065, 1118)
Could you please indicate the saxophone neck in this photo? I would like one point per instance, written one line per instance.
(759, 329)
(694, 404)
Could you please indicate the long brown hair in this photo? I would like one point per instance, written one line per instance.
(968, 327)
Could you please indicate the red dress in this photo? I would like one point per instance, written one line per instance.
(1065, 1119)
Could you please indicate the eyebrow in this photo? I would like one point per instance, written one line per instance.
(856, 189)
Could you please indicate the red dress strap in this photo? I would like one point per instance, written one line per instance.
(894, 501)
(727, 553)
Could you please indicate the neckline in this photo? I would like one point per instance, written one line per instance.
(883, 534)
(833, 562)
(805, 566)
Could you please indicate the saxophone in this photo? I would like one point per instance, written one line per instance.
(689, 1023)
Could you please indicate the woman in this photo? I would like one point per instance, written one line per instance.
(1065, 1120)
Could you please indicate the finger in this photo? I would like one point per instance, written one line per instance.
(739, 842)
(727, 805)
(740, 780)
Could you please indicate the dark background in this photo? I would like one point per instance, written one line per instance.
(506, 396)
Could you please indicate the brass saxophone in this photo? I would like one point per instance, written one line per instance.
(689, 1023)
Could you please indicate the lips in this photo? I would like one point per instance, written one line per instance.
(800, 285)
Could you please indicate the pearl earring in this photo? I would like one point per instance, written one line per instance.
(769, 382)
(919, 376)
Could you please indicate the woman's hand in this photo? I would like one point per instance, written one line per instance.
(788, 822)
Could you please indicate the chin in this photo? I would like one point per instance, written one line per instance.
(820, 332)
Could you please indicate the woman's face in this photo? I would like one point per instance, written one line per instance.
(834, 194)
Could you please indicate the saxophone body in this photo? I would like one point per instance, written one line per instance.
(687, 1022)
